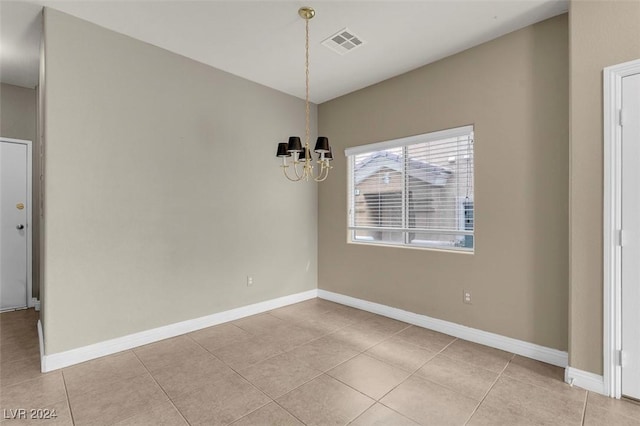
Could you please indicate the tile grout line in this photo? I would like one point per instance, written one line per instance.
(284, 351)
(435, 353)
(540, 386)
(22, 382)
(584, 408)
(363, 411)
(242, 377)
(351, 387)
(7, 363)
(528, 383)
(489, 390)
(289, 412)
(286, 320)
(252, 411)
(375, 401)
(414, 373)
(231, 367)
(28, 328)
(322, 373)
(621, 399)
(360, 415)
(364, 352)
(368, 347)
(379, 401)
(388, 408)
(349, 324)
(66, 391)
(359, 334)
(256, 335)
(225, 363)
(161, 388)
(470, 364)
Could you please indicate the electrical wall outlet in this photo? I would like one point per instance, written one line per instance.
(249, 280)
(466, 296)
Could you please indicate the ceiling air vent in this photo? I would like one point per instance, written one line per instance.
(343, 41)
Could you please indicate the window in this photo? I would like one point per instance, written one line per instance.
(414, 192)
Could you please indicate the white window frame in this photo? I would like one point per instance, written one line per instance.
(350, 154)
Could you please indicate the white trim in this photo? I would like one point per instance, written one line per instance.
(612, 211)
(41, 345)
(520, 347)
(75, 356)
(29, 202)
(395, 143)
(585, 380)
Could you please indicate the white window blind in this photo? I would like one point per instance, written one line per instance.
(415, 191)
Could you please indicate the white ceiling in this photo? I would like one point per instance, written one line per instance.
(263, 41)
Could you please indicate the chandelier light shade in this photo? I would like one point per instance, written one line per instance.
(294, 144)
(304, 155)
(282, 150)
(329, 155)
(322, 145)
(294, 148)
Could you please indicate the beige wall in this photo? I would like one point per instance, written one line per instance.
(18, 112)
(602, 33)
(163, 189)
(18, 121)
(515, 91)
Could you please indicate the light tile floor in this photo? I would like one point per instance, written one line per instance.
(315, 363)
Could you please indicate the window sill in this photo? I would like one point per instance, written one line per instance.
(456, 250)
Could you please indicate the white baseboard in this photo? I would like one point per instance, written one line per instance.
(55, 361)
(589, 381)
(519, 347)
(59, 360)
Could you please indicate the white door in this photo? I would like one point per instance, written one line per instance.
(13, 225)
(631, 232)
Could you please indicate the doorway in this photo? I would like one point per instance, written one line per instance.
(622, 230)
(15, 224)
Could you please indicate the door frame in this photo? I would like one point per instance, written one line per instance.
(612, 218)
(29, 145)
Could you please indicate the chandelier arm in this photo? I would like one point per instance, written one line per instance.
(323, 175)
(295, 169)
(324, 172)
(284, 169)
